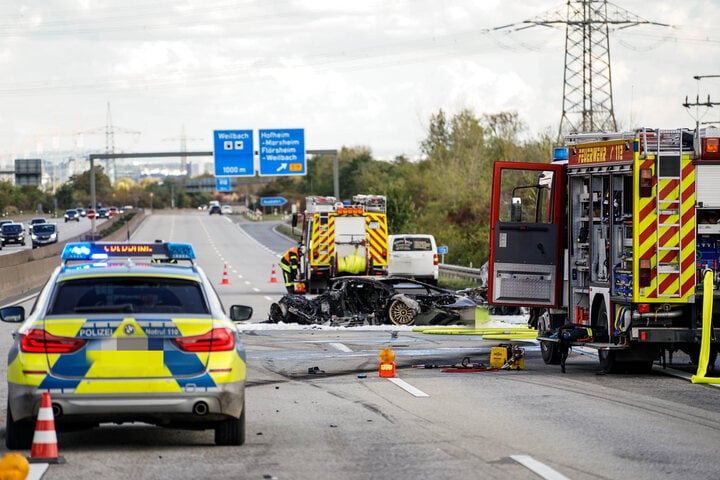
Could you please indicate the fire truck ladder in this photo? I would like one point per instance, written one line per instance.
(667, 147)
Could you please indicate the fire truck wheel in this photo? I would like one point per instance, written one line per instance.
(612, 362)
(607, 361)
(550, 353)
(400, 314)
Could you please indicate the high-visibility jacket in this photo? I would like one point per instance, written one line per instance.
(289, 263)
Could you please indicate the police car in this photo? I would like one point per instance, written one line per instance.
(127, 332)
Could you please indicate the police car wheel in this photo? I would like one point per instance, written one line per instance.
(231, 431)
(18, 435)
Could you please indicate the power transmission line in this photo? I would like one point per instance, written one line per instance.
(109, 131)
(587, 80)
(183, 148)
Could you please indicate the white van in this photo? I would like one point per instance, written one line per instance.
(414, 255)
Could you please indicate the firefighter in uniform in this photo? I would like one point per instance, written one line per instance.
(289, 263)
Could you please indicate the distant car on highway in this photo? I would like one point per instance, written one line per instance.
(415, 256)
(112, 211)
(43, 234)
(102, 213)
(226, 209)
(72, 214)
(215, 209)
(35, 221)
(12, 233)
(81, 211)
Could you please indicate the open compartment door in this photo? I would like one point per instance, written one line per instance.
(526, 234)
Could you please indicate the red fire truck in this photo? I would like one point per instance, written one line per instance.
(607, 244)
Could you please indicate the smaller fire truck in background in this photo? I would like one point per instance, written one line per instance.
(613, 237)
(342, 238)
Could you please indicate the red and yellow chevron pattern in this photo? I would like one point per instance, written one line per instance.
(323, 239)
(665, 233)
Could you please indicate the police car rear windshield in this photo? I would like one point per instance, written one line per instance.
(128, 295)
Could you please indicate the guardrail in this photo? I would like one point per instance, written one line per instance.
(467, 273)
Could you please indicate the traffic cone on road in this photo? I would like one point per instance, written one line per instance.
(225, 279)
(44, 446)
(273, 276)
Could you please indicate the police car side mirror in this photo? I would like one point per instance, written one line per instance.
(14, 314)
(239, 313)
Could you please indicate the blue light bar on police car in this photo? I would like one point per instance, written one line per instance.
(105, 250)
(180, 251)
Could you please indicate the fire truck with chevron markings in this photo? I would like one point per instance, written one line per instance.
(609, 243)
(342, 238)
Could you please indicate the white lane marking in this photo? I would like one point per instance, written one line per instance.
(269, 298)
(408, 388)
(340, 346)
(255, 289)
(538, 467)
(37, 470)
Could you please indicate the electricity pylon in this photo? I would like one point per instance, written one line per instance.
(109, 130)
(183, 148)
(587, 81)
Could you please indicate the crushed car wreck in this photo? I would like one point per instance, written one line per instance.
(354, 301)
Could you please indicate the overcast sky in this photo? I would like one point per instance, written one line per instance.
(367, 73)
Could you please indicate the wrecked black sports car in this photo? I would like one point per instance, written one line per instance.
(353, 301)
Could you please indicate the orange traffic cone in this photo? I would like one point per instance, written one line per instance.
(273, 276)
(44, 446)
(225, 279)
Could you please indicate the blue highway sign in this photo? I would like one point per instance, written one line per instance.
(223, 184)
(282, 152)
(272, 201)
(234, 154)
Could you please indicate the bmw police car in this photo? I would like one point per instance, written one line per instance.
(120, 334)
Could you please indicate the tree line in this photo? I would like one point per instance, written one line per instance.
(447, 193)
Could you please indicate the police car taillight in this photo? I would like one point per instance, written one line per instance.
(40, 341)
(216, 340)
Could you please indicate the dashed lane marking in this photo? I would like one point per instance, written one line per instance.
(538, 467)
(408, 388)
(340, 346)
